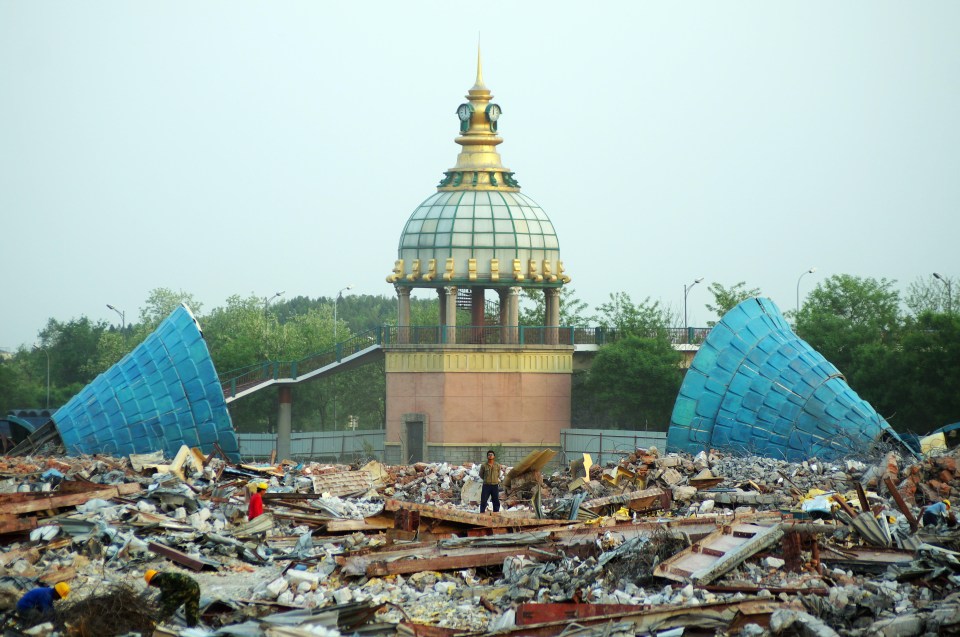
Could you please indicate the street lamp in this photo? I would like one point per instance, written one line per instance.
(810, 271)
(335, 299)
(123, 317)
(45, 351)
(686, 291)
(266, 301)
(335, 344)
(949, 294)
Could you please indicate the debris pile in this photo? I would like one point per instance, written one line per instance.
(653, 542)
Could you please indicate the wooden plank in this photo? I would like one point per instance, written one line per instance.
(14, 524)
(368, 524)
(453, 562)
(538, 613)
(457, 515)
(901, 504)
(51, 500)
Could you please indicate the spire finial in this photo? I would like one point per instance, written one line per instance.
(479, 83)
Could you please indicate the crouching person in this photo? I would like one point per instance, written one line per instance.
(36, 606)
(176, 589)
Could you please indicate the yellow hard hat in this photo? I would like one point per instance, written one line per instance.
(263, 485)
(947, 502)
(149, 575)
(62, 588)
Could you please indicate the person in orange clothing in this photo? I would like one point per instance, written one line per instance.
(256, 501)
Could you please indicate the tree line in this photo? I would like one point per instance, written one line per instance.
(900, 353)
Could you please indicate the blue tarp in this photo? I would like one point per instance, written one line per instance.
(162, 395)
(756, 387)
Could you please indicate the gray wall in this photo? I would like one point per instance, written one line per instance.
(603, 445)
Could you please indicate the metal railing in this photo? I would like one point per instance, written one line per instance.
(238, 380)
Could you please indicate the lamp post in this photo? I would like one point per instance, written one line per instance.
(266, 300)
(335, 299)
(946, 281)
(686, 291)
(337, 345)
(45, 351)
(810, 271)
(123, 317)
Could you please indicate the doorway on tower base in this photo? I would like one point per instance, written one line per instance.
(415, 437)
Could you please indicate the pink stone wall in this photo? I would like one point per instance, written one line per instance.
(489, 407)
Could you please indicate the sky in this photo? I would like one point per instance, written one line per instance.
(243, 148)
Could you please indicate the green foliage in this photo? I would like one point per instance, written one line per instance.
(647, 318)
(910, 383)
(161, 302)
(633, 383)
(73, 350)
(572, 310)
(725, 299)
(929, 294)
(845, 313)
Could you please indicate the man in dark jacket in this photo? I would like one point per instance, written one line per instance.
(36, 606)
(490, 474)
(176, 589)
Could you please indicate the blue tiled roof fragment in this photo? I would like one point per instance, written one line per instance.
(162, 395)
(755, 387)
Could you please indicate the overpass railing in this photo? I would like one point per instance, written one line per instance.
(238, 380)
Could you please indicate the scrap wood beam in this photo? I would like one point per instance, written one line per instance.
(464, 517)
(16, 503)
(15, 524)
(719, 615)
(451, 562)
(179, 557)
(901, 504)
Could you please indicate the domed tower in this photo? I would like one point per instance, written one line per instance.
(479, 232)
(489, 383)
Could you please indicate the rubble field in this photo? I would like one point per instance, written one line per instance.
(655, 544)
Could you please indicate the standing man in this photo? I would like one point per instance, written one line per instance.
(176, 589)
(490, 474)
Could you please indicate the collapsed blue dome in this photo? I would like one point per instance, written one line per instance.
(755, 387)
(162, 395)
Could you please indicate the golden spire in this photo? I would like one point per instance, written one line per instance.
(478, 164)
(479, 82)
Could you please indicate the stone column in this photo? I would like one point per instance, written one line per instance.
(504, 295)
(284, 419)
(450, 313)
(477, 315)
(513, 313)
(551, 297)
(403, 314)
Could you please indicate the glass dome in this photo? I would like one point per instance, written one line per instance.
(481, 225)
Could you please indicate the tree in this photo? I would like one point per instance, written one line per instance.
(73, 350)
(914, 384)
(647, 318)
(22, 381)
(929, 294)
(725, 299)
(572, 310)
(161, 302)
(844, 313)
(633, 383)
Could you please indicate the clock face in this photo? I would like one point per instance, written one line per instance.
(463, 112)
(493, 112)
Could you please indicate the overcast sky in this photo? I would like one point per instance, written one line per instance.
(226, 148)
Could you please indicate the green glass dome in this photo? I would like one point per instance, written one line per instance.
(481, 225)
